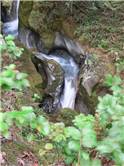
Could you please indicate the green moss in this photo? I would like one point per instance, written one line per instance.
(90, 101)
(24, 11)
(7, 3)
(67, 115)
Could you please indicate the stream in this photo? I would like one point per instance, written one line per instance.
(29, 39)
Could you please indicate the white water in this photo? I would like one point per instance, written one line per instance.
(67, 99)
(70, 68)
(69, 93)
(11, 27)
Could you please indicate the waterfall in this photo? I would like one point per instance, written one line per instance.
(10, 22)
(70, 68)
(69, 93)
(31, 40)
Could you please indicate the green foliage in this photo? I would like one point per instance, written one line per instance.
(111, 114)
(73, 141)
(112, 80)
(103, 44)
(11, 78)
(22, 118)
(120, 65)
(36, 97)
(9, 46)
(111, 107)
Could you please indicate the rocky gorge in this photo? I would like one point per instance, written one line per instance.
(62, 51)
(43, 29)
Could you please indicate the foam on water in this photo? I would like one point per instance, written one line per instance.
(11, 27)
(70, 68)
(69, 93)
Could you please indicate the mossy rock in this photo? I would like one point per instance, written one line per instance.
(65, 115)
(86, 104)
(46, 18)
(7, 3)
(25, 9)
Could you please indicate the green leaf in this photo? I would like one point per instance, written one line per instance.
(89, 137)
(84, 162)
(44, 125)
(74, 146)
(3, 127)
(112, 80)
(49, 146)
(27, 109)
(81, 120)
(104, 148)
(69, 159)
(59, 137)
(10, 43)
(45, 128)
(67, 151)
(9, 37)
(96, 162)
(85, 155)
(72, 132)
(33, 124)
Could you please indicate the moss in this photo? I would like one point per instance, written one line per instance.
(7, 3)
(28, 67)
(67, 115)
(90, 101)
(35, 20)
(24, 11)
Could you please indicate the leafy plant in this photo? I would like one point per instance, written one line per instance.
(36, 97)
(11, 78)
(24, 117)
(75, 141)
(9, 46)
(111, 116)
(120, 65)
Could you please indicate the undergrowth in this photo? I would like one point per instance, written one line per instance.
(74, 143)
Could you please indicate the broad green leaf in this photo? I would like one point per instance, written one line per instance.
(9, 37)
(89, 137)
(81, 120)
(84, 155)
(96, 162)
(27, 109)
(112, 80)
(69, 159)
(74, 145)
(72, 132)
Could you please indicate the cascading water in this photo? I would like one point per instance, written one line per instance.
(67, 99)
(10, 19)
(69, 66)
